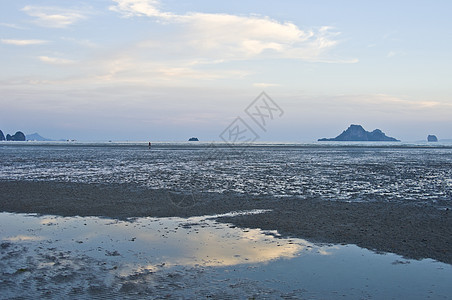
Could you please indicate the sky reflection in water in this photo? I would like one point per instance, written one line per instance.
(77, 256)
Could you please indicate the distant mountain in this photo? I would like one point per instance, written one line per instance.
(36, 137)
(356, 133)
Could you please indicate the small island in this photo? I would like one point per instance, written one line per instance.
(432, 138)
(356, 133)
(193, 139)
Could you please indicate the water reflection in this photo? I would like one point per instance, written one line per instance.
(56, 257)
(150, 242)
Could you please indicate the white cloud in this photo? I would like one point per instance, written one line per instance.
(129, 69)
(22, 42)
(147, 8)
(81, 42)
(232, 37)
(265, 85)
(14, 26)
(393, 104)
(55, 60)
(391, 54)
(395, 53)
(196, 46)
(53, 16)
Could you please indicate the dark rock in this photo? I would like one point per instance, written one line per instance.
(18, 136)
(193, 139)
(2, 137)
(356, 133)
(5, 245)
(432, 138)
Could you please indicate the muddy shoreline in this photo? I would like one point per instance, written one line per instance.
(405, 229)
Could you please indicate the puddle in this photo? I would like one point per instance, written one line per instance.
(89, 257)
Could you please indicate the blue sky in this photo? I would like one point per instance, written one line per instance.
(169, 70)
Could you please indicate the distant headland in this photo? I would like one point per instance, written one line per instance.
(356, 133)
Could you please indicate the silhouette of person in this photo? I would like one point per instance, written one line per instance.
(149, 145)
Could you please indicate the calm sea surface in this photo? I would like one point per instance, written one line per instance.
(421, 174)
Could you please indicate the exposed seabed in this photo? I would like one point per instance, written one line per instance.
(198, 257)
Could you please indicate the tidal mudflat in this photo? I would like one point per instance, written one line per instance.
(198, 257)
(120, 220)
(412, 230)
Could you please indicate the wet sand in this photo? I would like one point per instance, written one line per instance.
(408, 230)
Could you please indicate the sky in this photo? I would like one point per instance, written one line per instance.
(169, 70)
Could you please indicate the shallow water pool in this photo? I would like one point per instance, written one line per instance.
(90, 257)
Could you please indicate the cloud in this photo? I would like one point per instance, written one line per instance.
(390, 104)
(81, 42)
(14, 26)
(22, 42)
(189, 47)
(232, 37)
(53, 16)
(130, 69)
(391, 54)
(131, 8)
(407, 103)
(265, 85)
(55, 60)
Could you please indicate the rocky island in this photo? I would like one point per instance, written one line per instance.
(193, 139)
(18, 136)
(432, 138)
(356, 133)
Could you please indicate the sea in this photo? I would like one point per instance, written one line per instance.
(419, 173)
